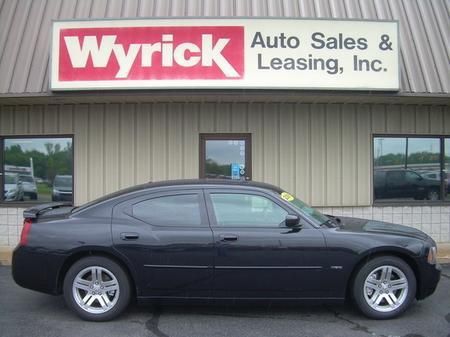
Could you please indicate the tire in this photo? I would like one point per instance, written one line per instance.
(33, 196)
(433, 195)
(373, 284)
(94, 276)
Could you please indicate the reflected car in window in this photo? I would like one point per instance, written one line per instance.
(13, 190)
(62, 188)
(405, 184)
(29, 186)
(221, 240)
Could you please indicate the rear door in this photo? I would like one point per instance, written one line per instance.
(256, 255)
(167, 238)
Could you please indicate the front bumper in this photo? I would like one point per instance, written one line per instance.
(37, 270)
(429, 279)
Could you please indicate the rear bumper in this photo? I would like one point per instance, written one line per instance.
(36, 270)
(429, 279)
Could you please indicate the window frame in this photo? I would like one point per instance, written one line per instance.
(247, 137)
(28, 203)
(442, 201)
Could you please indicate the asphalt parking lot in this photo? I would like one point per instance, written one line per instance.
(27, 313)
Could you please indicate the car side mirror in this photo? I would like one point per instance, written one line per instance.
(292, 220)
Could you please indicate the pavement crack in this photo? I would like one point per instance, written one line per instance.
(356, 325)
(153, 322)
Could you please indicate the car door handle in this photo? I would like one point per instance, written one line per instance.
(228, 237)
(129, 236)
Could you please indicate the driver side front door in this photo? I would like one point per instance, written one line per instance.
(256, 255)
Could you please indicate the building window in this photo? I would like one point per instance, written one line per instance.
(408, 168)
(226, 156)
(36, 169)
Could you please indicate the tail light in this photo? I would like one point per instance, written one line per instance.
(25, 231)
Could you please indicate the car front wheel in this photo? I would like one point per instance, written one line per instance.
(97, 288)
(384, 287)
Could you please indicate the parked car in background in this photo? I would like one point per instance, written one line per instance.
(13, 190)
(224, 240)
(28, 186)
(405, 184)
(62, 188)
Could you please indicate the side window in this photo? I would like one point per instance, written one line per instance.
(171, 210)
(412, 177)
(395, 178)
(246, 210)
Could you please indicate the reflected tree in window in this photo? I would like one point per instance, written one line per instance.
(37, 162)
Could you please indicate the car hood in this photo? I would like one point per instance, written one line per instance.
(379, 227)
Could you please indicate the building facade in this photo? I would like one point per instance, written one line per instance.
(381, 155)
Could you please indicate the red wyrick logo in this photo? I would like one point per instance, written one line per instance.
(151, 53)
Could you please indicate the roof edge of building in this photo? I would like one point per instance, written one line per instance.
(227, 96)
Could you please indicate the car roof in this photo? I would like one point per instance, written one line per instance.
(182, 182)
(197, 182)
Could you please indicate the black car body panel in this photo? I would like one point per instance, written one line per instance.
(209, 261)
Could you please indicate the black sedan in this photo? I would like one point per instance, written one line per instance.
(214, 241)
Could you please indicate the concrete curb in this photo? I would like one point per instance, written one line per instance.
(5, 256)
(443, 254)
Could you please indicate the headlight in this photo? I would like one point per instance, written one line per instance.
(431, 258)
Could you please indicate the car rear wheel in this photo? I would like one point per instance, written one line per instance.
(97, 288)
(384, 287)
(433, 195)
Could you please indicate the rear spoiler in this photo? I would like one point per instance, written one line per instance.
(33, 212)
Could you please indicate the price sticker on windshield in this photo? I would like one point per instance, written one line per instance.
(286, 196)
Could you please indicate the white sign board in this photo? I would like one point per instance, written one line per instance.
(225, 53)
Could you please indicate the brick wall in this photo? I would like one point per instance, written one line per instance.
(10, 226)
(433, 220)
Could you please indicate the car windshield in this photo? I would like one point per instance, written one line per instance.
(28, 179)
(9, 179)
(312, 213)
(61, 181)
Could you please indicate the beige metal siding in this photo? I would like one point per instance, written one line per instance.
(25, 27)
(320, 152)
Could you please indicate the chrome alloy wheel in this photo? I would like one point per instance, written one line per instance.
(95, 290)
(386, 288)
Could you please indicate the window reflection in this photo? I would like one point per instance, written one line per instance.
(242, 210)
(38, 169)
(225, 159)
(407, 168)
